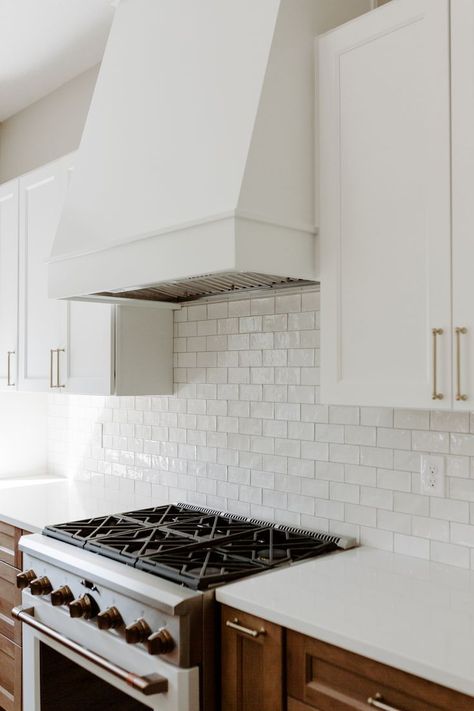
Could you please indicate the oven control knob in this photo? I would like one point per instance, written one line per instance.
(109, 619)
(137, 632)
(84, 606)
(24, 579)
(160, 642)
(62, 596)
(40, 586)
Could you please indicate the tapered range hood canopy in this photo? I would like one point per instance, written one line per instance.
(195, 174)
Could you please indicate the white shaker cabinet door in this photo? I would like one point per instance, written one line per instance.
(385, 208)
(462, 52)
(8, 285)
(90, 348)
(42, 337)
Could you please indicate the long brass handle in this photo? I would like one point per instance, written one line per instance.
(436, 332)
(378, 703)
(147, 685)
(57, 384)
(9, 370)
(460, 331)
(51, 367)
(234, 624)
(58, 379)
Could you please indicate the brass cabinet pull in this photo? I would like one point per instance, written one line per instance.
(460, 331)
(234, 624)
(378, 703)
(58, 379)
(57, 384)
(9, 369)
(147, 685)
(436, 332)
(51, 366)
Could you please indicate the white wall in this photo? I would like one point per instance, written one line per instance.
(23, 434)
(47, 129)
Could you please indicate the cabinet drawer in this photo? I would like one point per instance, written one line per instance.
(9, 597)
(9, 537)
(10, 675)
(331, 679)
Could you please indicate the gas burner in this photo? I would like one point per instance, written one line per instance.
(199, 548)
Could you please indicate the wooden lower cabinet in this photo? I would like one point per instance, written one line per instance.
(327, 678)
(10, 631)
(252, 667)
(265, 667)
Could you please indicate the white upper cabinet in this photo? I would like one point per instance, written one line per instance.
(8, 285)
(74, 347)
(42, 320)
(385, 208)
(462, 58)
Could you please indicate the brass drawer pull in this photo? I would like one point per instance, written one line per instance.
(436, 332)
(9, 369)
(459, 332)
(234, 624)
(147, 685)
(378, 703)
(56, 384)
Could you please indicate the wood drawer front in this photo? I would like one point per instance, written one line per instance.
(331, 679)
(9, 597)
(10, 675)
(9, 537)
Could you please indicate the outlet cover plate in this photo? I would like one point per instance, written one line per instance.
(432, 475)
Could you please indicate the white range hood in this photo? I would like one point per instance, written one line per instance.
(195, 174)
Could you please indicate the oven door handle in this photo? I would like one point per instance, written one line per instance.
(147, 685)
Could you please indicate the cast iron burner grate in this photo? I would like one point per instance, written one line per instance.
(199, 548)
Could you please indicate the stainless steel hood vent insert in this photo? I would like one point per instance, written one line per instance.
(207, 285)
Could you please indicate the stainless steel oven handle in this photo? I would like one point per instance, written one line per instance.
(147, 685)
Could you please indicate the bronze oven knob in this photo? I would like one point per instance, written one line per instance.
(109, 619)
(62, 596)
(84, 606)
(24, 579)
(160, 642)
(40, 586)
(137, 632)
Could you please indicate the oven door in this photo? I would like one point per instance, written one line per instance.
(59, 672)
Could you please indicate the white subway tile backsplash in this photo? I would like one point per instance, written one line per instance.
(245, 432)
(411, 545)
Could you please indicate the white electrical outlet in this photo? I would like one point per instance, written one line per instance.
(432, 475)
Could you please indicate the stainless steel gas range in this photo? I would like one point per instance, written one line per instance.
(118, 611)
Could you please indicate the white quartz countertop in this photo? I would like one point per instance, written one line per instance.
(411, 614)
(33, 503)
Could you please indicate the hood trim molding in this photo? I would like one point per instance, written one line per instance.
(232, 214)
(233, 243)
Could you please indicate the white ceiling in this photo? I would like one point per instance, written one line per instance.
(45, 43)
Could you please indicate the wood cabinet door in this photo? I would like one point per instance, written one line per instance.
(42, 320)
(462, 53)
(251, 663)
(10, 675)
(385, 207)
(8, 285)
(9, 597)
